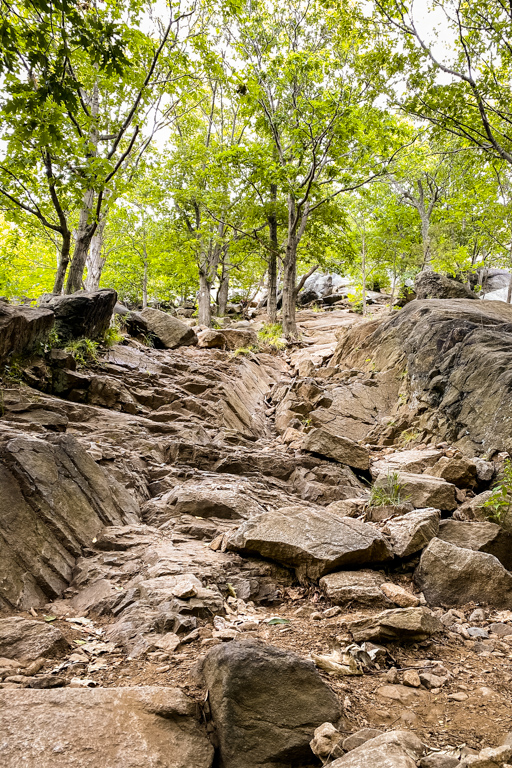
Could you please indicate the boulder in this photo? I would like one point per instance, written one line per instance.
(490, 757)
(337, 447)
(23, 329)
(414, 460)
(312, 542)
(54, 500)
(166, 331)
(236, 338)
(84, 314)
(112, 727)
(266, 704)
(28, 640)
(400, 596)
(359, 738)
(430, 285)
(461, 472)
(479, 536)
(210, 339)
(396, 625)
(412, 532)
(395, 749)
(359, 588)
(326, 743)
(423, 490)
(451, 575)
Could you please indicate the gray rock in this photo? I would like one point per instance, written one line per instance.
(461, 472)
(166, 331)
(315, 543)
(450, 575)
(430, 285)
(23, 329)
(26, 639)
(84, 314)
(479, 536)
(114, 727)
(399, 624)
(439, 760)
(326, 743)
(266, 704)
(413, 531)
(359, 738)
(361, 588)
(424, 490)
(395, 749)
(337, 447)
(236, 338)
(413, 460)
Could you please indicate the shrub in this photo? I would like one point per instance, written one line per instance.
(390, 494)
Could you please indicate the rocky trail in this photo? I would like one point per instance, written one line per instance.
(212, 555)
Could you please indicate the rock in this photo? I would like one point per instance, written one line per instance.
(378, 514)
(413, 531)
(399, 596)
(314, 543)
(237, 338)
(399, 624)
(359, 588)
(337, 447)
(480, 537)
(167, 332)
(502, 630)
(430, 285)
(359, 738)
(439, 760)
(114, 727)
(411, 678)
(84, 314)
(451, 575)
(266, 704)
(461, 472)
(54, 499)
(23, 330)
(210, 339)
(395, 749)
(423, 490)
(347, 507)
(415, 461)
(27, 640)
(429, 680)
(491, 757)
(403, 695)
(326, 743)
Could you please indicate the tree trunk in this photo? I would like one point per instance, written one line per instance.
(63, 263)
(205, 310)
(95, 261)
(145, 284)
(289, 292)
(223, 292)
(272, 261)
(425, 239)
(363, 266)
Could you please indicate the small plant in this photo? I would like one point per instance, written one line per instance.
(498, 503)
(356, 302)
(148, 340)
(14, 372)
(84, 352)
(112, 336)
(54, 341)
(390, 494)
(409, 436)
(244, 351)
(271, 334)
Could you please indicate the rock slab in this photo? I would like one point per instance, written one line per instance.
(27, 640)
(84, 314)
(109, 727)
(399, 624)
(395, 749)
(337, 447)
(23, 329)
(266, 704)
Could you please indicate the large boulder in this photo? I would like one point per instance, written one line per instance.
(84, 314)
(27, 640)
(337, 447)
(54, 500)
(413, 460)
(423, 490)
(165, 331)
(266, 704)
(412, 532)
(430, 285)
(479, 536)
(23, 329)
(359, 588)
(452, 360)
(451, 575)
(237, 338)
(396, 625)
(395, 749)
(313, 542)
(112, 727)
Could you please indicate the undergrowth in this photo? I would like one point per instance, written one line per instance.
(271, 335)
(391, 494)
(84, 352)
(498, 503)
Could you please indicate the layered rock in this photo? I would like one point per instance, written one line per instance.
(23, 329)
(398, 624)
(423, 490)
(84, 314)
(480, 536)
(431, 285)
(412, 532)
(337, 447)
(166, 331)
(396, 749)
(359, 588)
(27, 640)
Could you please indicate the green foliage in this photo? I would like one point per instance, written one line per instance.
(112, 336)
(499, 502)
(271, 335)
(244, 351)
(84, 352)
(390, 494)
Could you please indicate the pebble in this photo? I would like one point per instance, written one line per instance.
(458, 696)
(411, 678)
(160, 670)
(477, 615)
(478, 632)
(391, 676)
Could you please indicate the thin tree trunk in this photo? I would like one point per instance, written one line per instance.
(273, 257)
(509, 292)
(223, 292)
(63, 263)
(95, 261)
(363, 265)
(289, 293)
(205, 310)
(145, 281)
